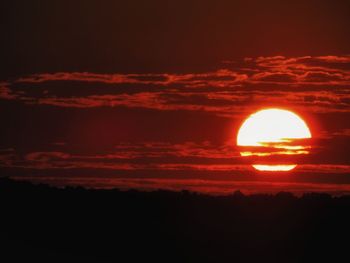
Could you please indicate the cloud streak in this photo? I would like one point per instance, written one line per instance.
(318, 84)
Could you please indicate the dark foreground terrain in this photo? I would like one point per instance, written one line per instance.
(44, 224)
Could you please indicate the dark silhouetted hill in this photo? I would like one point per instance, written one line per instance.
(46, 224)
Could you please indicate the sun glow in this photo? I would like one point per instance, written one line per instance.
(273, 132)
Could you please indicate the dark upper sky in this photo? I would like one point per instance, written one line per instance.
(159, 36)
(150, 94)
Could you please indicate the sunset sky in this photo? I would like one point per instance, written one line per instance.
(151, 94)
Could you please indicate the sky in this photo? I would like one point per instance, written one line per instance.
(151, 94)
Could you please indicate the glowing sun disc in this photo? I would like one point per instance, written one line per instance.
(274, 167)
(273, 127)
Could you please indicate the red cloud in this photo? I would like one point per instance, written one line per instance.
(6, 92)
(318, 84)
(332, 59)
(216, 78)
(46, 156)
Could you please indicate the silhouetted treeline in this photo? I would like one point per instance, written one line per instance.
(46, 224)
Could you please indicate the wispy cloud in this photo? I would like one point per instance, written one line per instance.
(5, 92)
(318, 84)
(161, 156)
(217, 78)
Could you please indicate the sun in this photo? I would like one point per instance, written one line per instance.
(271, 132)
